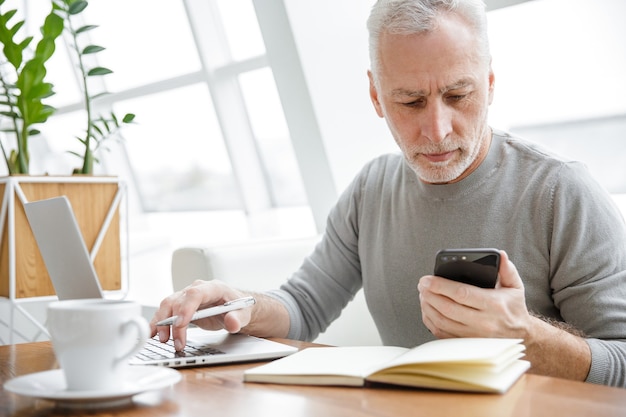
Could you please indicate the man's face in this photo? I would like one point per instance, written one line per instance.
(434, 90)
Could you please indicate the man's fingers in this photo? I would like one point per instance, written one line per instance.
(509, 277)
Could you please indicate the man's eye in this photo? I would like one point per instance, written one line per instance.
(415, 103)
(456, 97)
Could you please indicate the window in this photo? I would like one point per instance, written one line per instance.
(209, 126)
(559, 67)
(270, 129)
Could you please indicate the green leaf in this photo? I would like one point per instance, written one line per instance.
(128, 118)
(29, 80)
(50, 109)
(12, 51)
(50, 93)
(99, 71)
(77, 7)
(24, 44)
(17, 27)
(97, 129)
(40, 90)
(81, 140)
(41, 113)
(105, 123)
(45, 49)
(10, 14)
(52, 26)
(85, 28)
(33, 132)
(92, 49)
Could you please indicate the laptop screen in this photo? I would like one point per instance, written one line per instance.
(63, 249)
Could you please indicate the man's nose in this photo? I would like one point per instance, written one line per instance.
(437, 122)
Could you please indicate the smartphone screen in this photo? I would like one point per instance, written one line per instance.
(474, 266)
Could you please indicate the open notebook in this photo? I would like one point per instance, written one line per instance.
(73, 276)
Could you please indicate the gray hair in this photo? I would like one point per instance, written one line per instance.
(407, 17)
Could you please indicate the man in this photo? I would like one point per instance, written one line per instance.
(457, 184)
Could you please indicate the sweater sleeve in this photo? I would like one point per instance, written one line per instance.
(588, 264)
(329, 278)
(608, 366)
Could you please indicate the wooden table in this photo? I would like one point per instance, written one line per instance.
(220, 391)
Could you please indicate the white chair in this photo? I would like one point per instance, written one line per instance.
(265, 264)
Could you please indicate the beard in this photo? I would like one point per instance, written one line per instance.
(466, 152)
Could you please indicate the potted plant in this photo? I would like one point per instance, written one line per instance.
(22, 96)
(24, 87)
(23, 92)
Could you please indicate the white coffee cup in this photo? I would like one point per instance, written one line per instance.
(93, 340)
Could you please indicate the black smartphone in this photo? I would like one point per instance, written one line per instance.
(476, 266)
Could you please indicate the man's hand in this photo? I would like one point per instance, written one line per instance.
(266, 318)
(453, 309)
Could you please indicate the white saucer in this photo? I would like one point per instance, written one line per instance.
(50, 385)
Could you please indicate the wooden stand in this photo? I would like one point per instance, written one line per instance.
(96, 204)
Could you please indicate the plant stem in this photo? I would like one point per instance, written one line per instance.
(88, 156)
(22, 159)
(23, 156)
(8, 97)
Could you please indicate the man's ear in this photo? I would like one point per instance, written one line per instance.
(492, 84)
(374, 95)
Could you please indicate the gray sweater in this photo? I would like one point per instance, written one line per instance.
(559, 226)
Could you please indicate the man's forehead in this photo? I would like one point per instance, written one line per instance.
(428, 63)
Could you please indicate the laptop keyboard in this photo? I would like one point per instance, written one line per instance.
(155, 350)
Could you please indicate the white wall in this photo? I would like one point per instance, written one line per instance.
(331, 37)
(558, 60)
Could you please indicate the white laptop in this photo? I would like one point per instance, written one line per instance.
(73, 276)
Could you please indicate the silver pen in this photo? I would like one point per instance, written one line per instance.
(213, 311)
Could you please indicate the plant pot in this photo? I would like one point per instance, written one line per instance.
(95, 201)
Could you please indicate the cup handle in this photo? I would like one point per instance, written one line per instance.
(142, 336)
